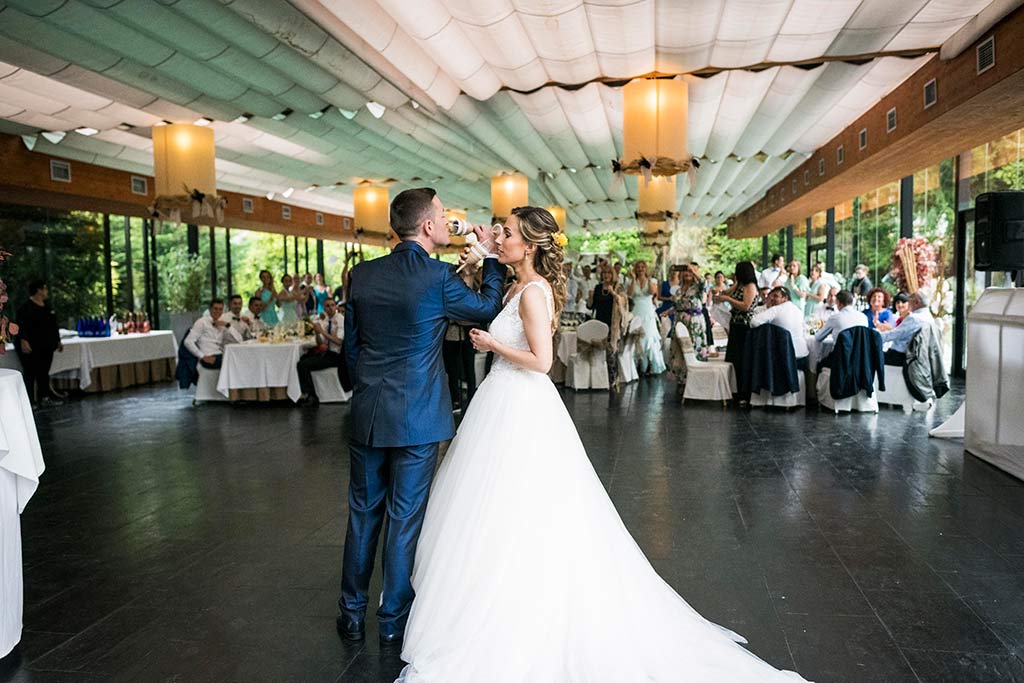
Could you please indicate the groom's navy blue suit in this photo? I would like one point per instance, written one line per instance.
(395, 319)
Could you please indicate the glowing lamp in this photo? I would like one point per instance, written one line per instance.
(508, 191)
(183, 160)
(370, 209)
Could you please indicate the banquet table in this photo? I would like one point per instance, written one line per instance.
(105, 363)
(256, 370)
(21, 463)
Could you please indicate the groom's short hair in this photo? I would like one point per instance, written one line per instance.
(409, 208)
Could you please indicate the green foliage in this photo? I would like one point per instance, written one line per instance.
(613, 241)
(64, 248)
(723, 252)
(184, 278)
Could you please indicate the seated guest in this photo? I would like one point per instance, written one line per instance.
(787, 315)
(330, 333)
(901, 302)
(238, 326)
(878, 308)
(897, 338)
(846, 317)
(205, 340)
(827, 307)
(256, 325)
(37, 339)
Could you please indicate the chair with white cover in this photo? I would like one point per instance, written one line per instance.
(769, 367)
(206, 386)
(896, 392)
(328, 386)
(627, 353)
(871, 342)
(709, 380)
(588, 367)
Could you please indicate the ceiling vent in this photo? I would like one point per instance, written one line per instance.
(986, 54)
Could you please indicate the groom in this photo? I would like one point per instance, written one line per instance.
(395, 319)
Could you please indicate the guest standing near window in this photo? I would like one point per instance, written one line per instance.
(321, 292)
(289, 298)
(744, 299)
(37, 340)
(817, 291)
(268, 295)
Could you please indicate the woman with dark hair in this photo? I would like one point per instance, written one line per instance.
(901, 302)
(878, 308)
(744, 299)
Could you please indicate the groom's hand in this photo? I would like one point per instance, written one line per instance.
(466, 269)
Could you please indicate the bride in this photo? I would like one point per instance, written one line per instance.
(524, 571)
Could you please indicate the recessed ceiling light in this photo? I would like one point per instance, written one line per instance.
(124, 126)
(311, 188)
(288, 193)
(319, 114)
(86, 130)
(270, 195)
(572, 170)
(376, 108)
(54, 136)
(282, 116)
(347, 113)
(242, 119)
(203, 121)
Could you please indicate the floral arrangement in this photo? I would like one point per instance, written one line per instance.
(7, 328)
(914, 263)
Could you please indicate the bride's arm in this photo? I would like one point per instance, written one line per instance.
(533, 309)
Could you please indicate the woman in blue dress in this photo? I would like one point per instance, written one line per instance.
(268, 295)
(321, 292)
(878, 308)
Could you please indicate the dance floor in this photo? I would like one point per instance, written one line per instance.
(172, 542)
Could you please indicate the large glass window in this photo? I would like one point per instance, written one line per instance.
(63, 247)
(847, 239)
(877, 230)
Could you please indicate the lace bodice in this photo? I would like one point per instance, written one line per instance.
(508, 329)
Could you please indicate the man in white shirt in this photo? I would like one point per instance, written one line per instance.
(330, 334)
(256, 325)
(787, 315)
(238, 325)
(773, 275)
(205, 340)
(584, 287)
(847, 317)
(571, 288)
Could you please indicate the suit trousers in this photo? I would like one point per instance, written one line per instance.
(312, 362)
(391, 483)
(35, 370)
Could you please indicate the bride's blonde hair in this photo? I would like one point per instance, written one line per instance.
(538, 227)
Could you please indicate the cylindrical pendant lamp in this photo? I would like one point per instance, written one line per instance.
(370, 209)
(508, 191)
(183, 160)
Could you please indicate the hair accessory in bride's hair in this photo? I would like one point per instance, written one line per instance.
(560, 239)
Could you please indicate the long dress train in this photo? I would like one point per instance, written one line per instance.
(526, 574)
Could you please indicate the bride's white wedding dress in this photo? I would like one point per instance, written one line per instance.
(526, 574)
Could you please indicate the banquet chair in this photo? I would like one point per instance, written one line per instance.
(588, 367)
(896, 392)
(206, 386)
(328, 386)
(627, 356)
(866, 399)
(770, 369)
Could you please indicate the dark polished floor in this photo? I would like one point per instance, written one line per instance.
(169, 542)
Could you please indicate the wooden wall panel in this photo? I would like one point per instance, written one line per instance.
(972, 109)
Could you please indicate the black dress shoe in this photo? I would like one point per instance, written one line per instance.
(391, 638)
(350, 629)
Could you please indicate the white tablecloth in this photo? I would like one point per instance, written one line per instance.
(252, 365)
(82, 354)
(710, 380)
(21, 463)
(566, 345)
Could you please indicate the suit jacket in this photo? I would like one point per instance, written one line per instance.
(395, 319)
(856, 361)
(924, 371)
(769, 362)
